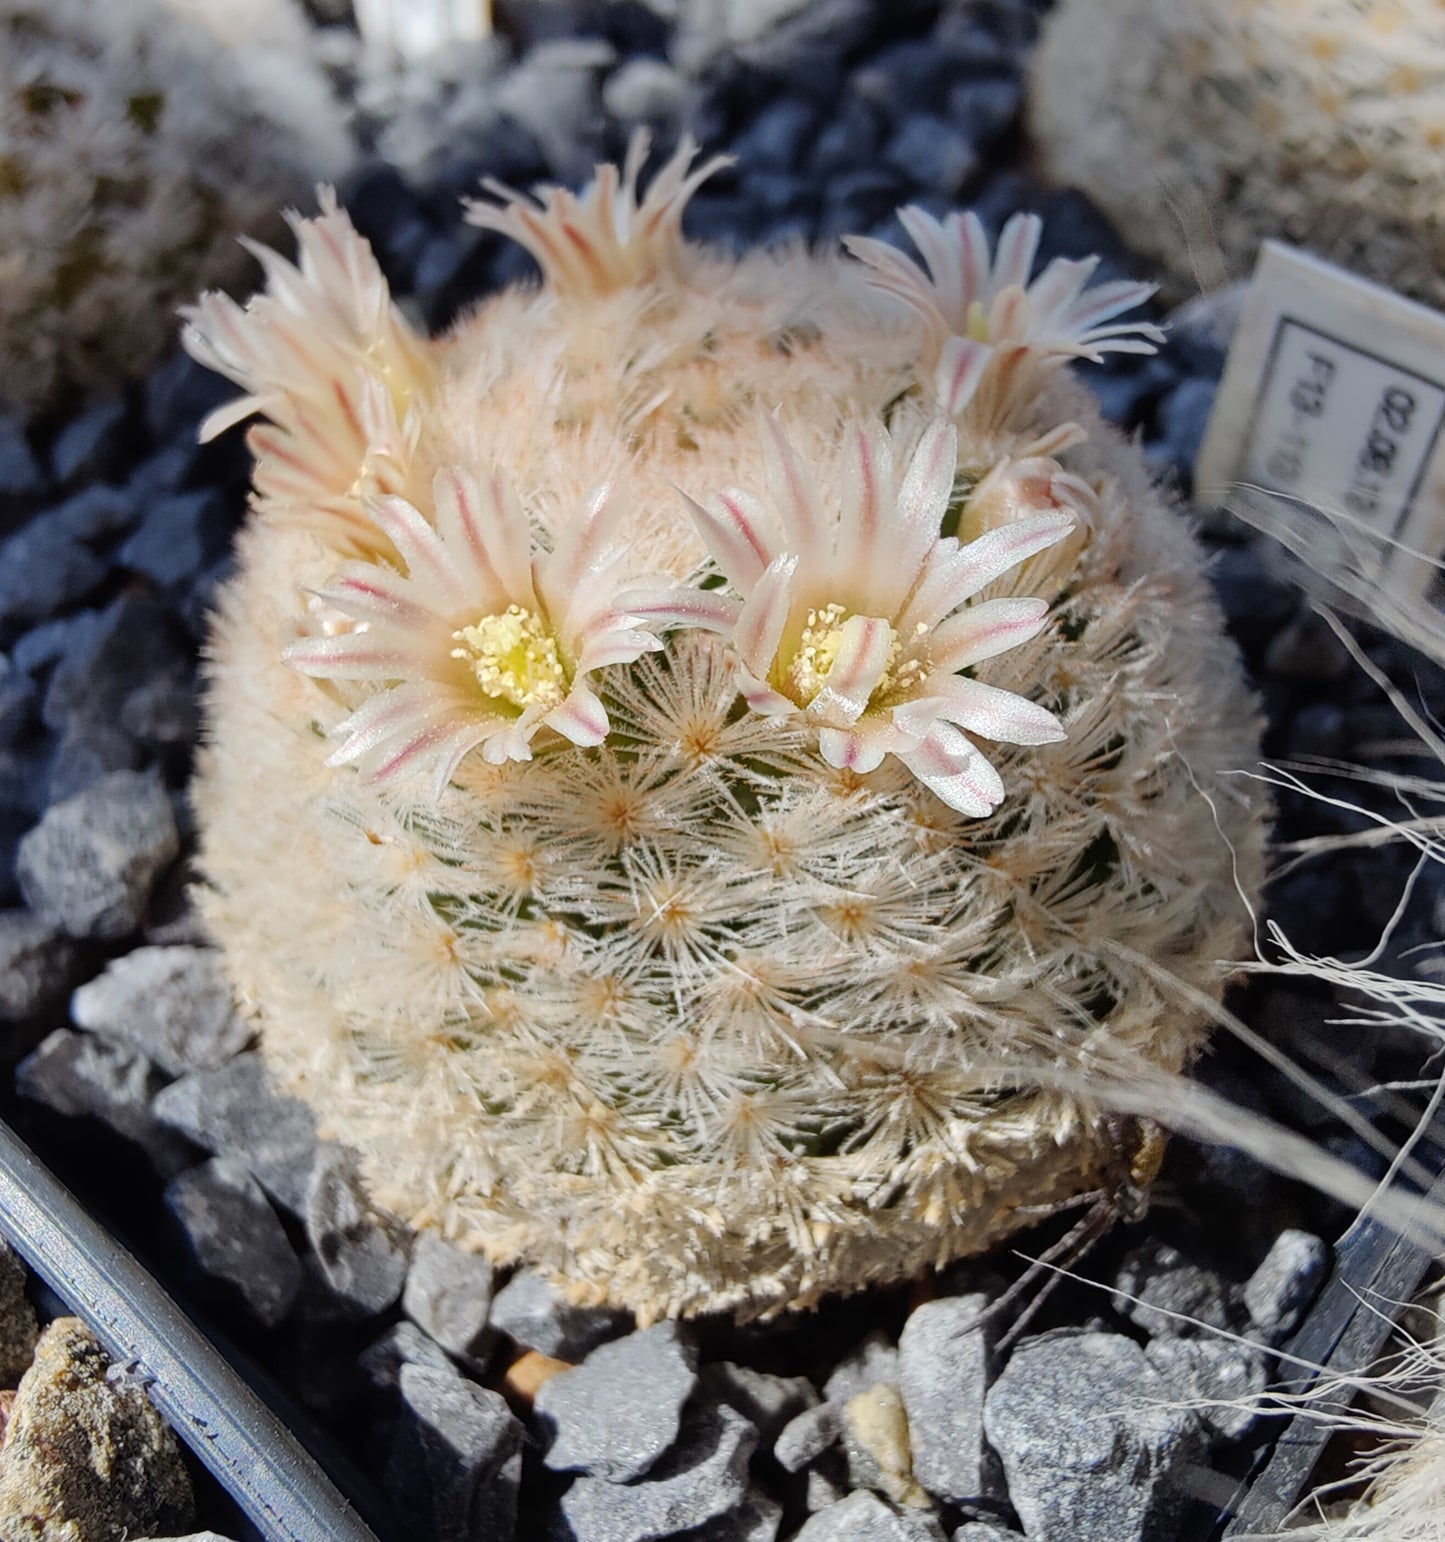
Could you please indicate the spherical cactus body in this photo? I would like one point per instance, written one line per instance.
(1201, 129)
(137, 141)
(692, 748)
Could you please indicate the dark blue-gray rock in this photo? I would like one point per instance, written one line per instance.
(163, 711)
(236, 1111)
(179, 394)
(38, 963)
(872, 1360)
(932, 153)
(235, 1238)
(823, 1489)
(42, 571)
(164, 472)
(402, 1344)
(1202, 328)
(49, 642)
(194, 1536)
(1089, 1441)
(614, 1415)
(81, 1076)
(20, 473)
(703, 1478)
(172, 1004)
(449, 1293)
(863, 1517)
(131, 641)
(1168, 1293)
(1308, 649)
(847, 142)
(92, 861)
(944, 1355)
(1220, 1379)
(1183, 418)
(645, 90)
(90, 445)
(984, 1531)
(1286, 1282)
(18, 700)
(807, 1435)
(982, 109)
(554, 93)
(537, 1316)
(777, 137)
(767, 1402)
(87, 751)
(1318, 729)
(178, 537)
(95, 513)
(362, 1253)
(455, 1467)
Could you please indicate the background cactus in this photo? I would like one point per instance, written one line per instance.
(137, 141)
(733, 993)
(1202, 129)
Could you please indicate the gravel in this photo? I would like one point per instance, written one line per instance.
(38, 964)
(806, 1436)
(862, 1517)
(1288, 1278)
(533, 1314)
(614, 1415)
(449, 1293)
(944, 1358)
(362, 1254)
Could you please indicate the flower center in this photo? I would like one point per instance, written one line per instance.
(976, 322)
(514, 657)
(818, 652)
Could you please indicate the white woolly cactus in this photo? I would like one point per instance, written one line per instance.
(688, 747)
(1202, 128)
(138, 139)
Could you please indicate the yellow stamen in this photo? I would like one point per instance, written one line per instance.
(818, 652)
(514, 658)
(976, 322)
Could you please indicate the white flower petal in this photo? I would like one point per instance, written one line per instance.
(955, 771)
(848, 750)
(1003, 716)
(352, 656)
(982, 631)
(581, 718)
(792, 490)
(734, 536)
(864, 643)
(708, 610)
(956, 573)
(764, 615)
(962, 364)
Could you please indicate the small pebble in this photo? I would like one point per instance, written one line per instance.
(532, 1313)
(615, 1415)
(172, 1004)
(361, 1253)
(767, 1402)
(1169, 1293)
(701, 1479)
(448, 1293)
(92, 861)
(1286, 1282)
(401, 1344)
(236, 1111)
(1219, 1378)
(235, 1237)
(456, 1458)
(863, 1517)
(876, 1440)
(38, 964)
(1089, 1441)
(875, 1359)
(806, 1436)
(943, 1367)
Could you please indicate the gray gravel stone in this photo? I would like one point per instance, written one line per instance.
(81, 1076)
(91, 862)
(863, 1517)
(235, 1110)
(804, 1438)
(43, 570)
(703, 1478)
(822, 1491)
(448, 1293)
(983, 1531)
(1211, 1374)
(756, 1520)
(864, 1366)
(614, 1415)
(456, 1458)
(1088, 1441)
(645, 90)
(1285, 1283)
(536, 1316)
(235, 1237)
(37, 964)
(362, 1254)
(402, 1344)
(172, 1004)
(1159, 1277)
(86, 752)
(766, 1402)
(943, 1368)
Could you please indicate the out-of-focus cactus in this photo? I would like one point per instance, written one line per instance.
(1202, 128)
(689, 748)
(137, 141)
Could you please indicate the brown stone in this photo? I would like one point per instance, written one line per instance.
(85, 1460)
(527, 1373)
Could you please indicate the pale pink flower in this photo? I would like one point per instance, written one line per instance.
(482, 642)
(980, 312)
(330, 360)
(603, 238)
(853, 611)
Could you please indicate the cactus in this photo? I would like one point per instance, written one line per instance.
(137, 141)
(686, 747)
(1201, 129)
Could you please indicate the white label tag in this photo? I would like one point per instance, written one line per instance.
(1329, 426)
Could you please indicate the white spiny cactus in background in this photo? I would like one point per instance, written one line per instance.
(675, 765)
(137, 141)
(1203, 128)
